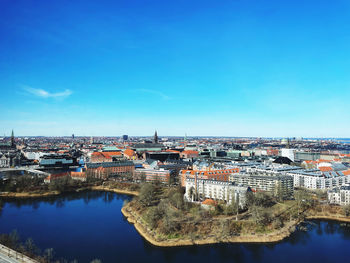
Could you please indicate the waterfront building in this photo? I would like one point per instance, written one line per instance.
(339, 195)
(152, 175)
(316, 179)
(110, 169)
(277, 184)
(217, 190)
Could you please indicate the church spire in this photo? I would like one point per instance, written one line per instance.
(155, 137)
(12, 139)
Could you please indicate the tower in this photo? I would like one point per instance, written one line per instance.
(12, 139)
(155, 137)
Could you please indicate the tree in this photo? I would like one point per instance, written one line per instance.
(261, 216)
(346, 210)
(303, 199)
(147, 194)
(177, 200)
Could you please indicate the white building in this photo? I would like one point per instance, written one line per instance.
(4, 161)
(217, 190)
(289, 153)
(315, 179)
(339, 195)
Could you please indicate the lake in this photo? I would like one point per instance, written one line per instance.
(90, 225)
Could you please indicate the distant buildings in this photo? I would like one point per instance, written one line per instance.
(106, 156)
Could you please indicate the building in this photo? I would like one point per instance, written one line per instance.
(277, 184)
(161, 155)
(80, 176)
(217, 175)
(339, 195)
(289, 153)
(105, 156)
(63, 161)
(316, 179)
(143, 147)
(302, 156)
(4, 161)
(130, 154)
(155, 137)
(151, 175)
(189, 154)
(217, 190)
(56, 176)
(110, 169)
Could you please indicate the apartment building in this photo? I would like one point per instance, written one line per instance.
(277, 184)
(339, 195)
(217, 190)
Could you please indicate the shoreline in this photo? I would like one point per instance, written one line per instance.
(55, 193)
(146, 233)
(114, 190)
(29, 194)
(329, 218)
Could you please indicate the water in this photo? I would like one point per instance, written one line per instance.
(89, 225)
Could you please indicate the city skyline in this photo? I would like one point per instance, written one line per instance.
(240, 69)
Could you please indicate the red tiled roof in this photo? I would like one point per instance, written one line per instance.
(209, 202)
(347, 172)
(325, 169)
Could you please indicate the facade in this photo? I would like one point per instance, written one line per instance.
(218, 175)
(302, 156)
(107, 169)
(189, 154)
(56, 161)
(106, 156)
(151, 175)
(339, 195)
(289, 153)
(79, 176)
(316, 179)
(277, 185)
(4, 161)
(216, 190)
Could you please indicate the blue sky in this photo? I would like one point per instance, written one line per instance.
(233, 68)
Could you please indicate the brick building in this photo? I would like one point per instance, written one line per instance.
(108, 169)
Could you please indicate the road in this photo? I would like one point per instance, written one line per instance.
(8, 255)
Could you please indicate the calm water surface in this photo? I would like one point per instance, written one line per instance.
(89, 225)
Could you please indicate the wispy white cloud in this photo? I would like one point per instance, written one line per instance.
(154, 92)
(46, 94)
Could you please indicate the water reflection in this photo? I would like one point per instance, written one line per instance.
(61, 200)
